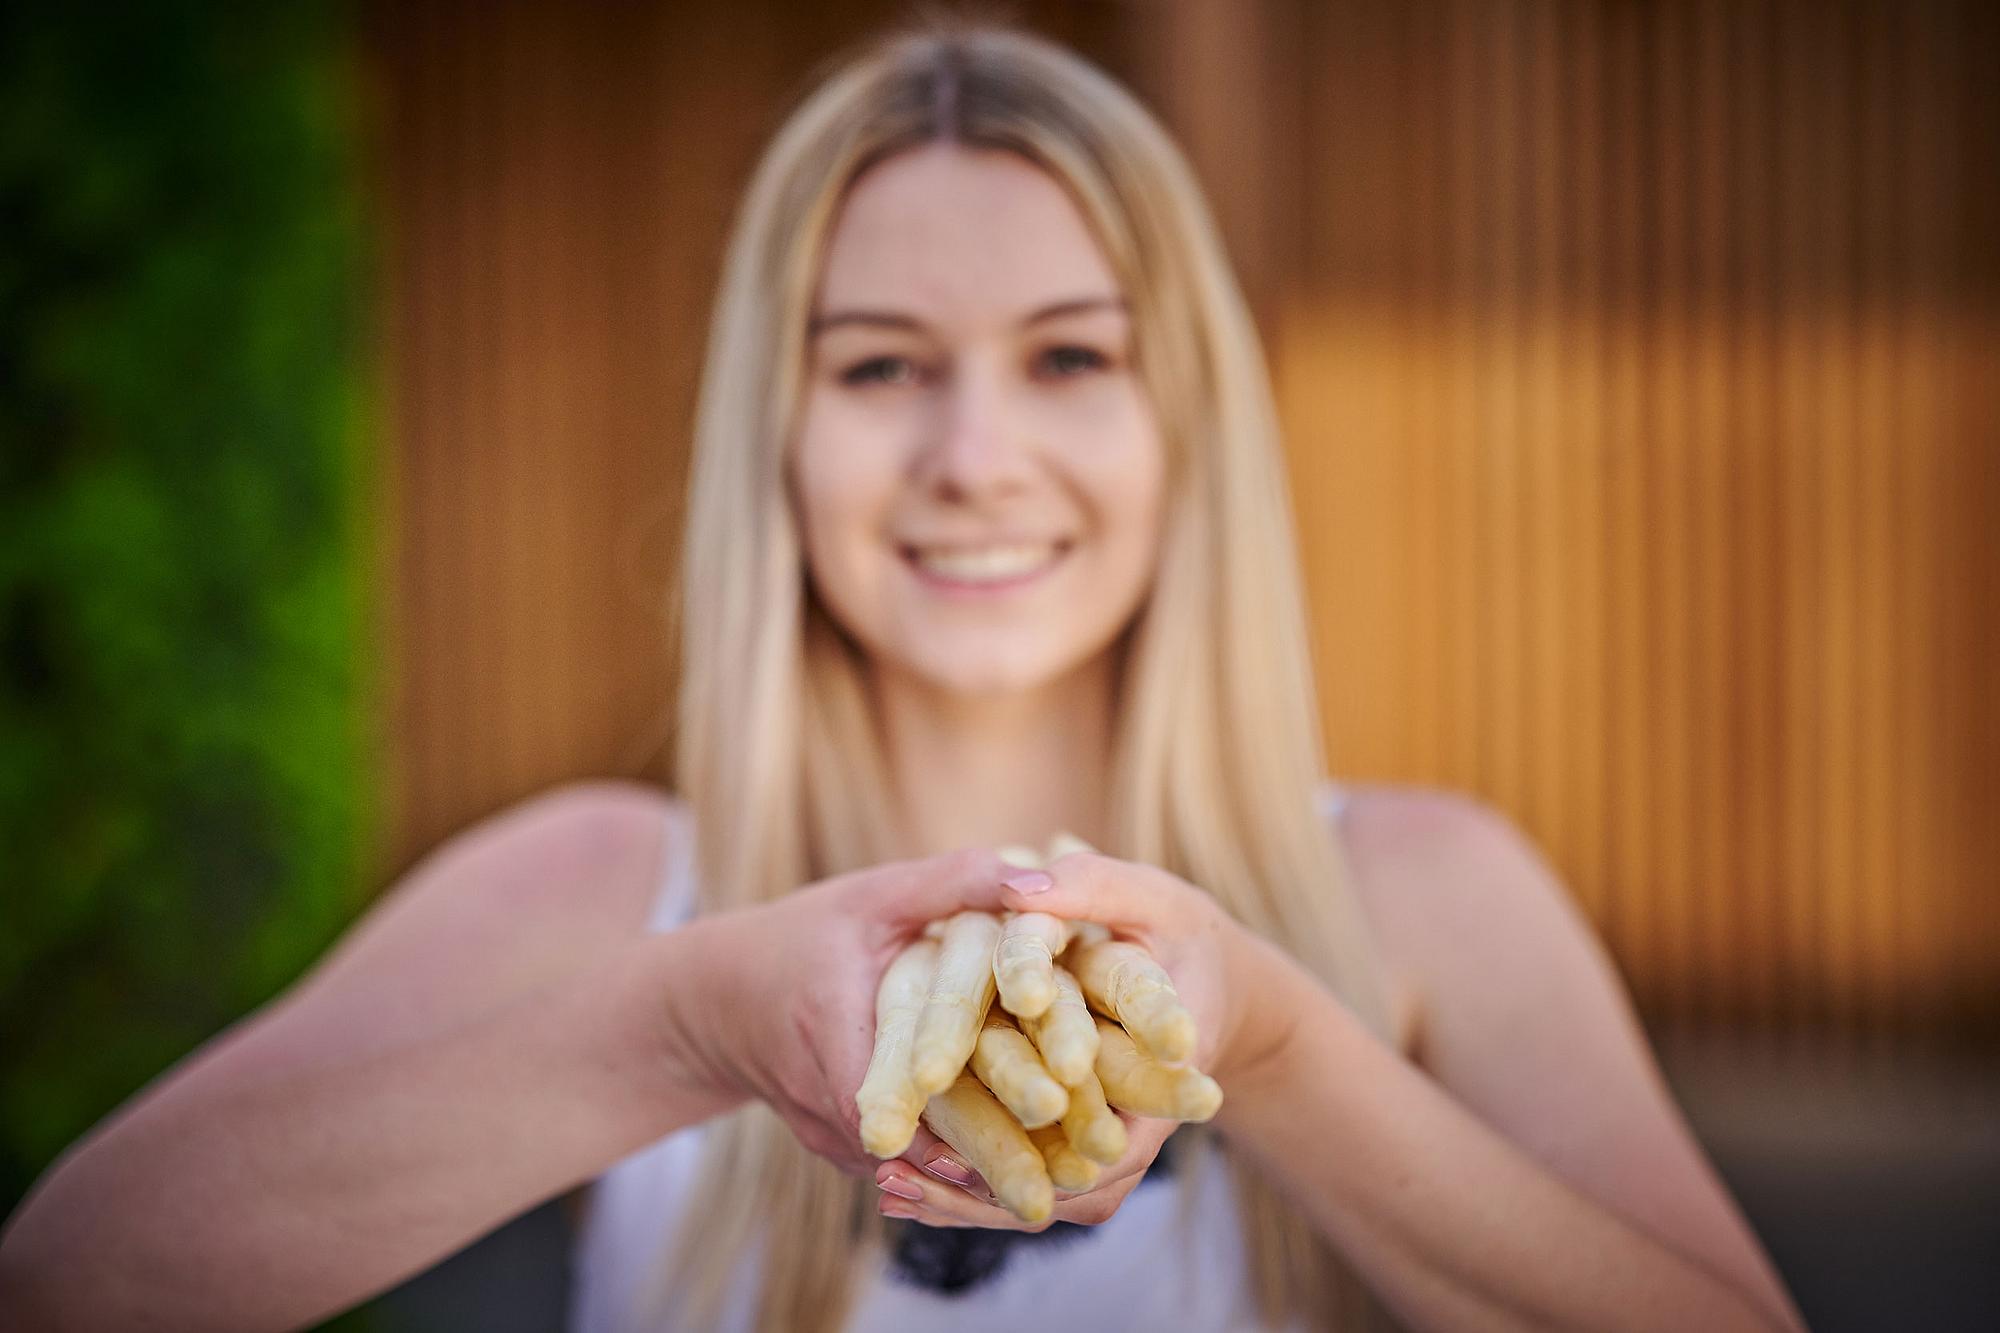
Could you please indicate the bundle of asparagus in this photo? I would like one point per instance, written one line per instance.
(1024, 1090)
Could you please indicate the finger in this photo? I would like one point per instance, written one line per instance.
(934, 1203)
(1086, 886)
(1134, 1081)
(934, 1157)
(888, 1100)
(990, 1141)
(1144, 1138)
(1065, 1034)
(1122, 980)
(911, 893)
(1024, 962)
(960, 991)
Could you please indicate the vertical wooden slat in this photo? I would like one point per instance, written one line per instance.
(1832, 442)
(1664, 553)
(1876, 544)
(1589, 788)
(1635, 814)
(1921, 440)
(1502, 607)
(1753, 878)
(1973, 647)
(1424, 296)
(1464, 547)
(1713, 723)
(1550, 454)
(1795, 289)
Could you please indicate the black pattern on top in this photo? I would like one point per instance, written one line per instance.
(955, 1260)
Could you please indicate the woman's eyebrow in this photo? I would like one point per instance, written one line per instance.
(890, 319)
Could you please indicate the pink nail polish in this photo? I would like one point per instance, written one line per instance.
(901, 1188)
(1028, 881)
(946, 1169)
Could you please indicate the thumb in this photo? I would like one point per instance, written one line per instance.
(1087, 886)
(920, 891)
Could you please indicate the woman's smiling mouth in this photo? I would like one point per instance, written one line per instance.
(984, 569)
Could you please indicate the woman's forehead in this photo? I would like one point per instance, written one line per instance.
(950, 233)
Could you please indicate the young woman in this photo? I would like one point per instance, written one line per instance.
(988, 539)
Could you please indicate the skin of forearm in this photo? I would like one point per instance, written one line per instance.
(1451, 1225)
(268, 1203)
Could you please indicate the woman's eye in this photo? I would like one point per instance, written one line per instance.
(893, 370)
(1069, 361)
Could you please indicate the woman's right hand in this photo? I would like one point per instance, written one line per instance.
(784, 1008)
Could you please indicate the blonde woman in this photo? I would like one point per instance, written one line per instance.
(988, 539)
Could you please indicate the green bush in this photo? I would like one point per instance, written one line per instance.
(186, 421)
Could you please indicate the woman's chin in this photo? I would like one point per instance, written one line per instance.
(980, 676)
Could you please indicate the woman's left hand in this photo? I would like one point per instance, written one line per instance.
(1224, 975)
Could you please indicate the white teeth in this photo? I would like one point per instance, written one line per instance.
(991, 564)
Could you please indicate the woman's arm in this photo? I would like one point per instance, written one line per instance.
(495, 1032)
(1525, 1029)
(498, 1030)
(1540, 1180)
(261, 1203)
(1452, 1224)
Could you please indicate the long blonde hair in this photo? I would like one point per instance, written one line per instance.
(1216, 757)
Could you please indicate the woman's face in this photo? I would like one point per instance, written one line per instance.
(978, 474)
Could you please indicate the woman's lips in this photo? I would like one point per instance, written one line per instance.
(985, 573)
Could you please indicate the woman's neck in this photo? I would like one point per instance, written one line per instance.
(992, 770)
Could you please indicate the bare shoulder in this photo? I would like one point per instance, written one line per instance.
(1457, 892)
(1525, 1021)
(526, 897)
(597, 843)
(570, 867)
(1424, 856)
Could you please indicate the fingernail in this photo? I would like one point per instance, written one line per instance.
(901, 1188)
(1028, 881)
(895, 1208)
(946, 1169)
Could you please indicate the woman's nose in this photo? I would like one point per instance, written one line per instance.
(976, 443)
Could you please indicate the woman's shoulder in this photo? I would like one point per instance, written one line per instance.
(589, 851)
(1450, 884)
(618, 836)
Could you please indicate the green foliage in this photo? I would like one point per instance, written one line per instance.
(185, 407)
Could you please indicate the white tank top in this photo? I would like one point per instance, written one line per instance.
(1170, 1258)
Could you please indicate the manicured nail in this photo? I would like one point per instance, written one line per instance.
(946, 1169)
(901, 1188)
(1028, 881)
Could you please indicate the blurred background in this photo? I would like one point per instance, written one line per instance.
(1637, 363)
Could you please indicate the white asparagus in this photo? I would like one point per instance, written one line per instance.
(1123, 982)
(888, 1101)
(1090, 1124)
(1008, 1064)
(1068, 1169)
(1027, 858)
(1064, 843)
(1065, 1033)
(1133, 1081)
(979, 1129)
(960, 991)
(1024, 960)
